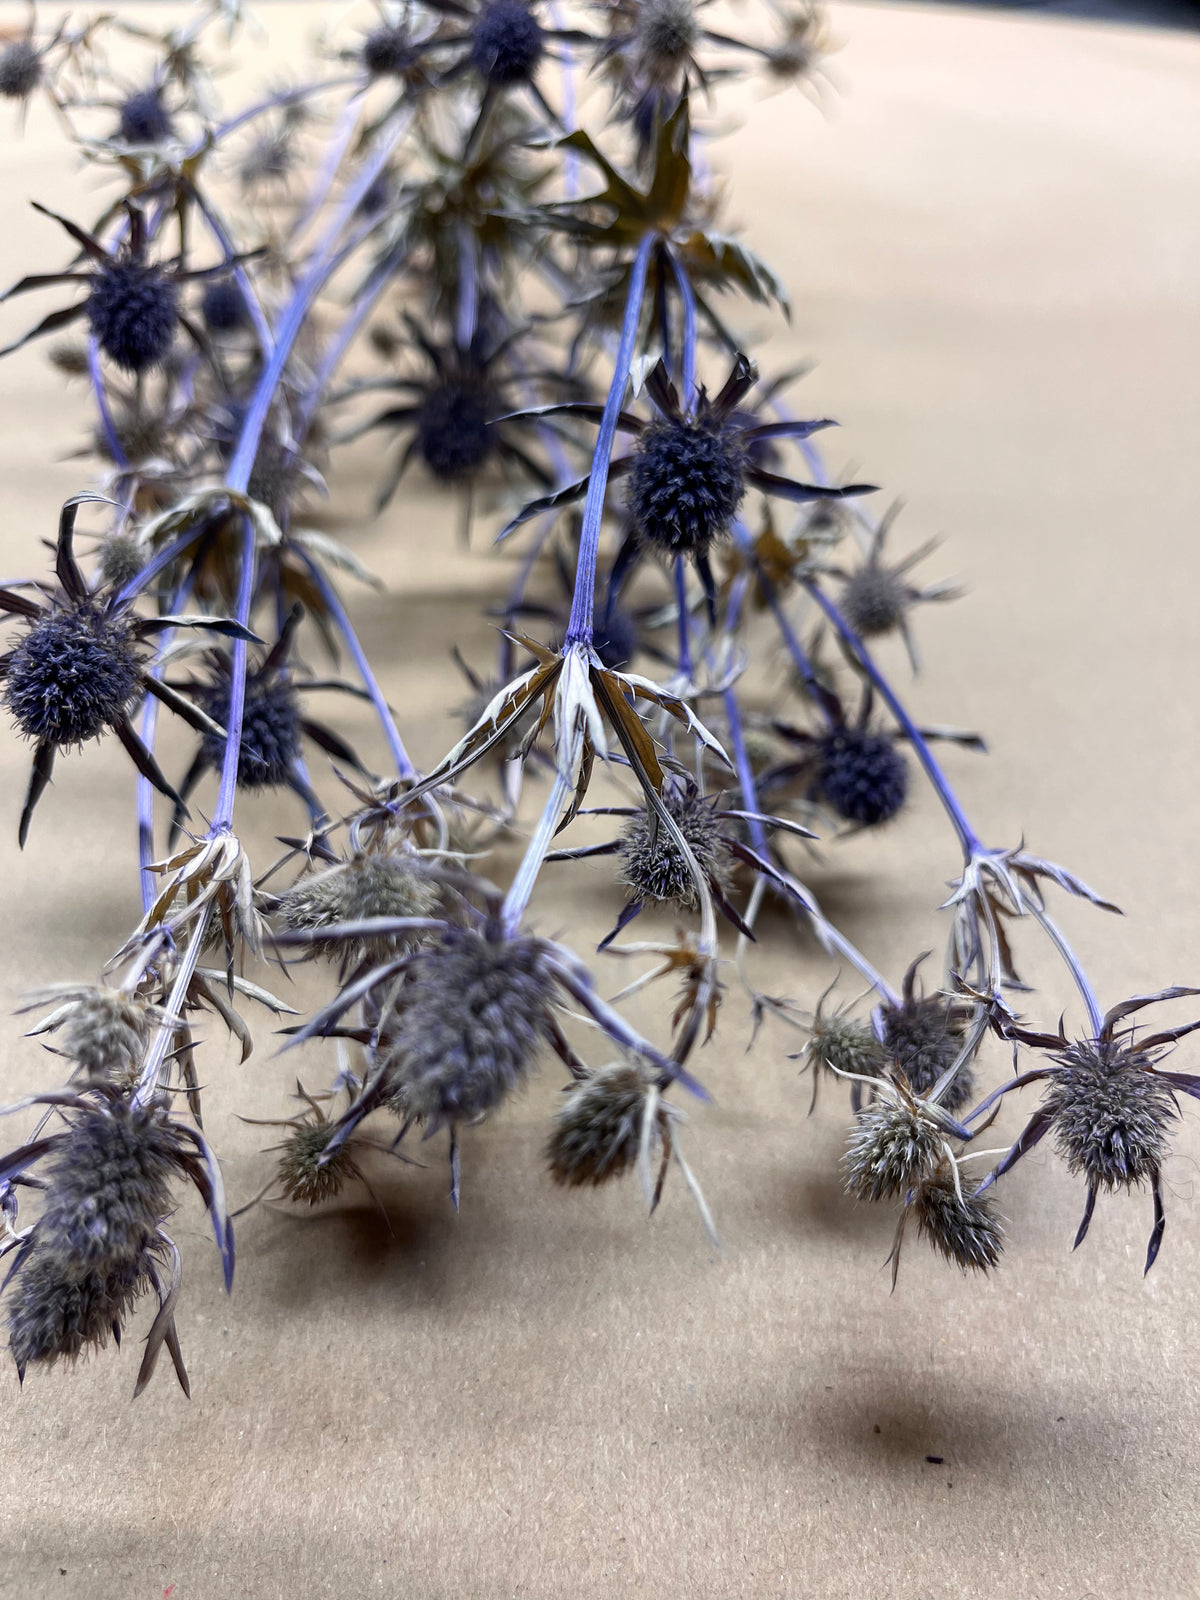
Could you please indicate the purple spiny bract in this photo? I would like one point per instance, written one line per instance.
(685, 486)
(133, 311)
(72, 675)
(1110, 1113)
(507, 43)
(861, 775)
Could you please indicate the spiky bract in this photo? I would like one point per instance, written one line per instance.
(72, 675)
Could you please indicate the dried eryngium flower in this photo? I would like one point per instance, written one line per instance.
(476, 1011)
(892, 1146)
(599, 1126)
(374, 884)
(964, 1227)
(861, 775)
(925, 1033)
(653, 866)
(104, 1031)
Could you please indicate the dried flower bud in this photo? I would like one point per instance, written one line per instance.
(846, 1044)
(652, 864)
(122, 556)
(476, 1012)
(665, 34)
(861, 775)
(686, 484)
(366, 886)
(144, 118)
(1110, 1113)
(133, 311)
(597, 1130)
(892, 1146)
(506, 43)
(875, 600)
(104, 1031)
(387, 51)
(962, 1226)
(20, 70)
(72, 675)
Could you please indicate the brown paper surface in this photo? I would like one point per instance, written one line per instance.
(991, 236)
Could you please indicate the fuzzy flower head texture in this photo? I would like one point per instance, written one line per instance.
(961, 1226)
(599, 1124)
(133, 310)
(368, 885)
(270, 729)
(653, 867)
(144, 119)
(861, 776)
(507, 43)
(74, 674)
(20, 70)
(475, 1014)
(924, 1034)
(1111, 1113)
(893, 1144)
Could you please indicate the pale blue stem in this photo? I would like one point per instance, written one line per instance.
(223, 816)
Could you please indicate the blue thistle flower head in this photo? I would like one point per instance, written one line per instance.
(686, 484)
(387, 51)
(223, 306)
(452, 427)
(507, 43)
(144, 118)
(861, 775)
(133, 310)
(270, 730)
(73, 674)
(1110, 1113)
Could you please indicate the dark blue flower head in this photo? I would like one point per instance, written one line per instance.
(861, 775)
(144, 118)
(452, 426)
(133, 310)
(73, 675)
(507, 43)
(270, 730)
(223, 306)
(20, 70)
(686, 483)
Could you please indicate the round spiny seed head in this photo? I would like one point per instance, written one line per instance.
(387, 51)
(685, 485)
(71, 676)
(20, 70)
(924, 1034)
(303, 1177)
(1110, 1113)
(133, 310)
(861, 775)
(122, 556)
(141, 436)
(270, 732)
(506, 43)
(963, 1227)
(352, 891)
(890, 1149)
(452, 428)
(875, 601)
(477, 1013)
(653, 866)
(846, 1044)
(223, 306)
(665, 35)
(597, 1131)
(144, 118)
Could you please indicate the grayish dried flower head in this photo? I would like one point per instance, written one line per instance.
(20, 70)
(892, 1146)
(597, 1131)
(104, 1031)
(665, 34)
(845, 1044)
(92, 1250)
(122, 556)
(963, 1227)
(1110, 1113)
(652, 865)
(476, 1012)
(370, 885)
(924, 1034)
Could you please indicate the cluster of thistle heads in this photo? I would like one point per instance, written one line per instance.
(483, 236)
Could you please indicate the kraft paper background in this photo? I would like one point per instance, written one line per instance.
(991, 233)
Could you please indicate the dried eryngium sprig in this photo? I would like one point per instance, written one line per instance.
(104, 1031)
(392, 884)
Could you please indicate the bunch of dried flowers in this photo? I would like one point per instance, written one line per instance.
(539, 304)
